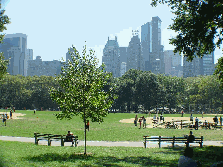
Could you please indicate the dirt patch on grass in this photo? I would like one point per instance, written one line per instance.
(149, 120)
(14, 115)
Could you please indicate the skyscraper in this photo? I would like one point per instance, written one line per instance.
(172, 63)
(14, 48)
(146, 44)
(111, 57)
(208, 64)
(152, 50)
(123, 54)
(194, 68)
(134, 59)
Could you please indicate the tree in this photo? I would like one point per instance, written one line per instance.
(196, 27)
(80, 90)
(3, 63)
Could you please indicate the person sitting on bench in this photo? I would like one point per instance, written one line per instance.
(70, 137)
(190, 139)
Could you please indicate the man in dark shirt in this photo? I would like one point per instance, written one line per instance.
(190, 139)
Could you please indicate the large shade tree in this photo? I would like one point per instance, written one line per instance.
(198, 23)
(81, 89)
(3, 21)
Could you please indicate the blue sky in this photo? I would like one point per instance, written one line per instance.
(52, 26)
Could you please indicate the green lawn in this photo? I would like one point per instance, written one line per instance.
(110, 130)
(28, 154)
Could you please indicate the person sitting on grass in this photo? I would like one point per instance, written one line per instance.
(70, 137)
(186, 159)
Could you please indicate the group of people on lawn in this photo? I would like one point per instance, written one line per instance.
(141, 120)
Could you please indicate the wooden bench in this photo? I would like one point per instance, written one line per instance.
(50, 137)
(172, 140)
(218, 126)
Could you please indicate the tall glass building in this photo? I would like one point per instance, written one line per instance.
(14, 48)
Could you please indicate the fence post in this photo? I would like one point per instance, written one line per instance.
(35, 135)
(201, 144)
(145, 141)
(62, 142)
(173, 141)
(75, 141)
(181, 124)
(159, 141)
(49, 143)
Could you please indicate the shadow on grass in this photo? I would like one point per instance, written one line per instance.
(100, 160)
(207, 155)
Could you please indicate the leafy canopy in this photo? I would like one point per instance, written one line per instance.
(198, 23)
(3, 63)
(81, 89)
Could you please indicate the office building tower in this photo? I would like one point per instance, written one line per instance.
(29, 56)
(146, 44)
(39, 67)
(208, 64)
(123, 68)
(123, 54)
(152, 50)
(14, 48)
(157, 48)
(134, 58)
(111, 57)
(194, 68)
(172, 63)
(29, 53)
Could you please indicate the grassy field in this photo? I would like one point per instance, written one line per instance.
(110, 130)
(27, 154)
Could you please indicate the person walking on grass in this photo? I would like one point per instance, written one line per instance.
(88, 124)
(182, 112)
(11, 114)
(140, 123)
(196, 123)
(144, 122)
(220, 120)
(136, 120)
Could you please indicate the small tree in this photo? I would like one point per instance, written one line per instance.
(3, 63)
(81, 90)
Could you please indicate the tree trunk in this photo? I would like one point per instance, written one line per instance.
(85, 135)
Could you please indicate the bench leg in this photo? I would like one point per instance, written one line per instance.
(75, 142)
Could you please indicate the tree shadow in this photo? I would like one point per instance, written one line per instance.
(207, 155)
(100, 160)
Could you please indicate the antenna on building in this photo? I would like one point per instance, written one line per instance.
(116, 38)
(135, 33)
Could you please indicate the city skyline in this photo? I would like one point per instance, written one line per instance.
(52, 30)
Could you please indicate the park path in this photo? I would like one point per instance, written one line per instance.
(108, 143)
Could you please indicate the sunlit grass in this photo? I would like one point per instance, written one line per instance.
(28, 154)
(110, 130)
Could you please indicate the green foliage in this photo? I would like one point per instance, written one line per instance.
(81, 90)
(29, 92)
(3, 63)
(196, 28)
